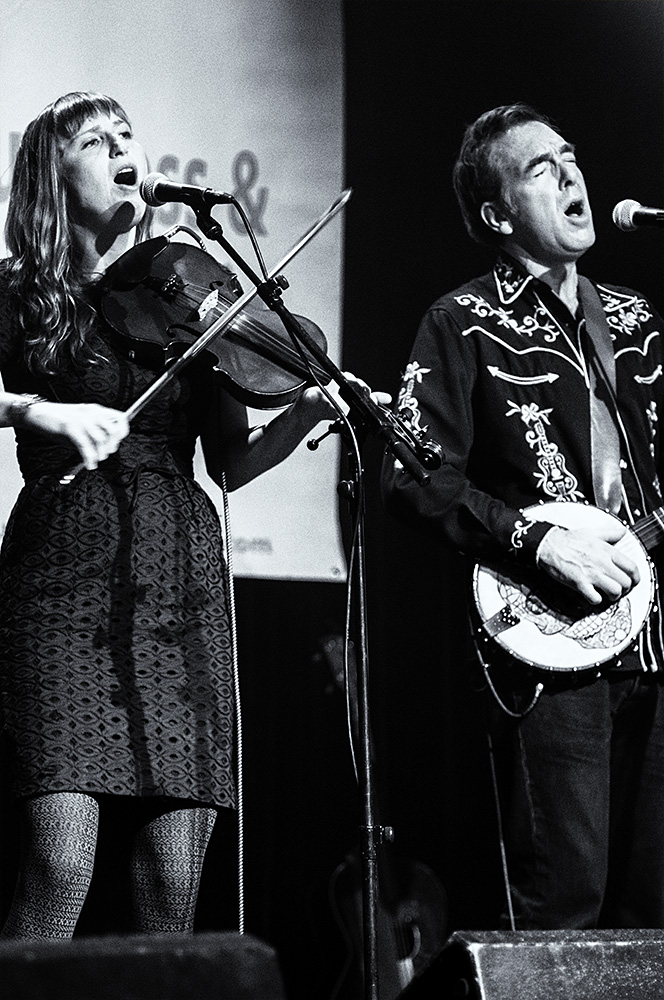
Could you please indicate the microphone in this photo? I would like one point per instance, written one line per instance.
(629, 215)
(157, 190)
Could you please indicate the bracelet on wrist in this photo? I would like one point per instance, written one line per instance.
(17, 411)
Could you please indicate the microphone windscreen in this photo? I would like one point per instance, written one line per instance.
(148, 186)
(623, 214)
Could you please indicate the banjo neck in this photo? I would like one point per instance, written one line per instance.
(650, 529)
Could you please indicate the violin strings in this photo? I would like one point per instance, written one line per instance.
(246, 321)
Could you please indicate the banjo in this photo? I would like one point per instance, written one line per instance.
(544, 624)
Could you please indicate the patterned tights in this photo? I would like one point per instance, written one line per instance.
(59, 836)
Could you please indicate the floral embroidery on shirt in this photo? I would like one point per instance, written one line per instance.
(653, 420)
(651, 413)
(408, 407)
(510, 280)
(539, 322)
(624, 313)
(521, 529)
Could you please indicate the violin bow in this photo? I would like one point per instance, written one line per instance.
(220, 324)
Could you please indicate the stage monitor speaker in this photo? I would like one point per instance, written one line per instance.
(545, 965)
(210, 966)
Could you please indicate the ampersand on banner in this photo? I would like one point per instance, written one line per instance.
(245, 175)
(14, 143)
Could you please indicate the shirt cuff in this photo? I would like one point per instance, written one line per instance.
(530, 540)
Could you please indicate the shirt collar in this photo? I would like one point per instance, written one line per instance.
(511, 278)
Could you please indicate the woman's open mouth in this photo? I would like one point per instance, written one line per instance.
(126, 176)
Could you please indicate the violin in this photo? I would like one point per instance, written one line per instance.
(172, 302)
(162, 296)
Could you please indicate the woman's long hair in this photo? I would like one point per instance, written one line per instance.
(52, 310)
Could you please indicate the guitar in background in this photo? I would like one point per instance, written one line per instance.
(411, 914)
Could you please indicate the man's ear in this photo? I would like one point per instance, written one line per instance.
(496, 219)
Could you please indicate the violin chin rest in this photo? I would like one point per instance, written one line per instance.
(135, 264)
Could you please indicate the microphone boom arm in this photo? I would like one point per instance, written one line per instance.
(414, 455)
(404, 445)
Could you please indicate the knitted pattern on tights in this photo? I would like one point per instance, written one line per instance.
(59, 833)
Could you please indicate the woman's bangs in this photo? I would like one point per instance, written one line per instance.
(71, 115)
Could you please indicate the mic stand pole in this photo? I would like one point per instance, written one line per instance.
(370, 414)
(367, 415)
(372, 835)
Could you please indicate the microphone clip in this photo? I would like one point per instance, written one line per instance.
(335, 427)
(271, 289)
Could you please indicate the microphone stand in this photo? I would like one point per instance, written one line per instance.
(413, 455)
(365, 415)
(372, 834)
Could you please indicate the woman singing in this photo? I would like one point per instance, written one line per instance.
(115, 650)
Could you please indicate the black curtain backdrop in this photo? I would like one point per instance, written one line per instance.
(416, 74)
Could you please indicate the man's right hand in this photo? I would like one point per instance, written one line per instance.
(592, 564)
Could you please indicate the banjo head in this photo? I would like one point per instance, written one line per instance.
(543, 624)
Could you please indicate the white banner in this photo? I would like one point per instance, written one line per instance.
(243, 96)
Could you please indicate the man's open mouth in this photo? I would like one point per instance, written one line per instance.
(575, 209)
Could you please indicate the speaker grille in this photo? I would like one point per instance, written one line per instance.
(553, 965)
(226, 966)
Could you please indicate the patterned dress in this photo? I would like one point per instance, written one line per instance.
(115, 650)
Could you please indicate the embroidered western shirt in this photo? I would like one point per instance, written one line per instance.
(498, 378)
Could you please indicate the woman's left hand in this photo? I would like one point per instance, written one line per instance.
(316, 398)
(252, 451)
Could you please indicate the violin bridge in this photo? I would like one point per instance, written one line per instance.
(209, 302)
